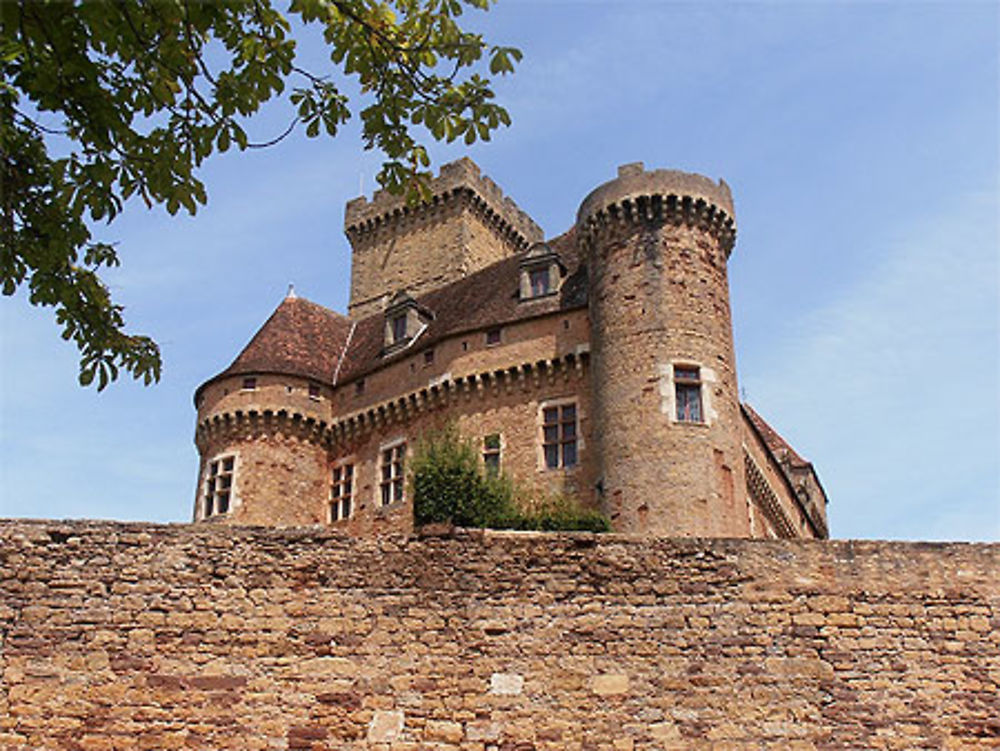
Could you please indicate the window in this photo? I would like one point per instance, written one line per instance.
(491, 454)
(492, 336)
(391, 478)
(359, 387)
(314, 391)
(429, 357)
(249, 384)
(687, 387)
(341, 492)
(219, 485)
(559, 436)
(399, 328)
(541, 271)
(539, 281)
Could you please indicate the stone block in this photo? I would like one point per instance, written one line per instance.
(386, 726)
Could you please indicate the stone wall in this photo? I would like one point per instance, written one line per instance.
(141, 636)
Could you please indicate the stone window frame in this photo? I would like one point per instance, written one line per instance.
(249, 383)
(315, 392)
(344, 466)
(396, 481)
(215, 471)
(689, 399)
(539, 259)
(493, 336)
(707, 379)
(559, 403)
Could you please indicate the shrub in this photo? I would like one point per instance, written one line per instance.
(449, 485)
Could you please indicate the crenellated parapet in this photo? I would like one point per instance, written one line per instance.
(466, 225)
(661, 196)
(457, 182)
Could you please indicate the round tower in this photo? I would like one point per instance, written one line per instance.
(666, 409)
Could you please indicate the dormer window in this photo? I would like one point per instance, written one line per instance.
(405, 320)
(541, 271)
(539, 279)
(398, 328)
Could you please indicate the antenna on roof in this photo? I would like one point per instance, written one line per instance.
(743, 394)
(291, 292)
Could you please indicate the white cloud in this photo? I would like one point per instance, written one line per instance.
(893, 389)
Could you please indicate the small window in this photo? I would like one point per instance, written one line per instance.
(249, 384)
(219, 485)
(314, 391)
(687, 388)
(341, 492)
(491, 454)
(391, 483)
(539, 280)
(429, 357)
(492, 336)
(359, 387)
(399, 328)
(559, 436)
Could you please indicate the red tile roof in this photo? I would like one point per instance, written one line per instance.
(488, 297)
(306, 339)
(300, 338)
(775, 443)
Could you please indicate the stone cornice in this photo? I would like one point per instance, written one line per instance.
(658, 208)
(764, 497)
(401, 409)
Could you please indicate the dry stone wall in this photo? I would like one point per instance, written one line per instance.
(120, 636)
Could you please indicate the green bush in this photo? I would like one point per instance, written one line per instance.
(449, 485)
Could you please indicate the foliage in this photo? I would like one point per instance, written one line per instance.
(449, 485)
(103, 101)
(560, 513)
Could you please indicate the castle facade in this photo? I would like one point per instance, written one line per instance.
(598, 364)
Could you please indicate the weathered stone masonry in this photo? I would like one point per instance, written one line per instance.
(142, 636)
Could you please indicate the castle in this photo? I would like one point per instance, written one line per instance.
(598, 364)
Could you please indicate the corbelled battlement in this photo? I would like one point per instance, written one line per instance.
(461, 176)
(670, 194)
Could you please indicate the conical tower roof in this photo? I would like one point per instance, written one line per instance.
(300, 338)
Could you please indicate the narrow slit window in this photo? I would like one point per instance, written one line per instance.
(491, 454)
(399, 328)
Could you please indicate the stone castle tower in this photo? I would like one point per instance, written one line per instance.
(598, 364)
(657, 244)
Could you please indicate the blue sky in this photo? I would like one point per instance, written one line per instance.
(861, 144)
